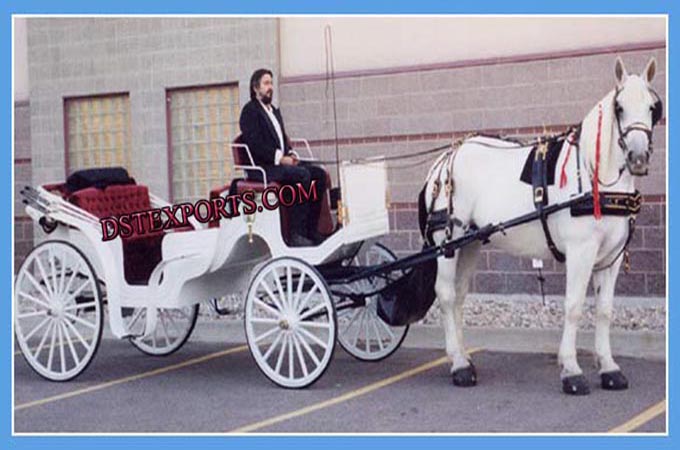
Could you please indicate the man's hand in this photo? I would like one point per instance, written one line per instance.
(288, 161)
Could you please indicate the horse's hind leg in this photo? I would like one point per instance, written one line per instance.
(604, 282)
(580, 260)
(453, 277)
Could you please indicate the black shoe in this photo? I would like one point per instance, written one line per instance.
(297, 240)
(316, 237)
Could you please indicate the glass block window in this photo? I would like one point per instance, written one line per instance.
(203, 121)
(98, 131)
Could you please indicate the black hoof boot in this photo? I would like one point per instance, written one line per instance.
(614, 381)
(575, 385)
(465, 377)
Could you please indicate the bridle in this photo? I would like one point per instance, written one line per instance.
(657, 112)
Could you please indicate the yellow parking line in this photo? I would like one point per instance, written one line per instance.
(138, 376)
(347, 396)
(641, 419)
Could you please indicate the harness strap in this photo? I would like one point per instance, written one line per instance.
(539, 181)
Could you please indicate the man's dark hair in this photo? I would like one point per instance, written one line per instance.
(255, 80)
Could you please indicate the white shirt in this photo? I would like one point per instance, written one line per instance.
(277, 127)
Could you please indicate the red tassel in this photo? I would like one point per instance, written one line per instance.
(597, 211)
(563, 176)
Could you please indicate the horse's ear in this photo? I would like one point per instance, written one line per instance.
(620, 71)
(650, 70)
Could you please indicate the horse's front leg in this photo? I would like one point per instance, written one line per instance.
(604, 283)
(462, 371)
(580, 260)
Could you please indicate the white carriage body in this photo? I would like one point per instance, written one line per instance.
(208, 263)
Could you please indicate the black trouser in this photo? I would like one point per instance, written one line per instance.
(304, 217)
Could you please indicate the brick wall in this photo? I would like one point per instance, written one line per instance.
(402, 113)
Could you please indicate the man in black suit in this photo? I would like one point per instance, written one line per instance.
(263, 131)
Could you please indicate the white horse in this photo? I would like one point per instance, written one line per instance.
(487, 189)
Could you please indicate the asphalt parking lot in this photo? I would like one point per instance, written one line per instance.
(211, 387)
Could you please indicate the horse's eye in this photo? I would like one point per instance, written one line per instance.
(618, 109)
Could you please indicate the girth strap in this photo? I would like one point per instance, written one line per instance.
(539, 182)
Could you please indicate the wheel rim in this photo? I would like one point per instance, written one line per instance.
(290, 323)
(173, 327)
(58, 312)
(361, 332)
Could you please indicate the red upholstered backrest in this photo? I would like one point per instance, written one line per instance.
(113, 200)
(239, 153)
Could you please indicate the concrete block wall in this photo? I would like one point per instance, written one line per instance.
(402, 113)
(142, 56)
(23, 227)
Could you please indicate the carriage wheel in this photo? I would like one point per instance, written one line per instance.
(58, 311)
(361, 332)
(290, 322)
(173, 328)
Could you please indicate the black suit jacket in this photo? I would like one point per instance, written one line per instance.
(258, 133)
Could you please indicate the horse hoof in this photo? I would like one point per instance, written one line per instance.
(575, 385)
(614, 381)
(465, 377)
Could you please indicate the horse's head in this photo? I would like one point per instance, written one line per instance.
(637, 109)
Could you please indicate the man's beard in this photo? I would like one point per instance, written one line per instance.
(267, 98)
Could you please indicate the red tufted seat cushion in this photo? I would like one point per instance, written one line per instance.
(141, 252)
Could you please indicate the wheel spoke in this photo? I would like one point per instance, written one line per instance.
(37, 285)
(51, 354)
(309, 350)
(298, 293)
(300, 356)
(135, 318)
(313, 311)
(377, 332)
(31, 314)
(53, 269)
(313, 338)
(367, 340)
(174, 325)
(271, 295)
(289, 287)
(33, 299)
(37, 327)
(73, 295)
(321, 325)
(272, 347)
(80, 321)
(38, 350)
(79, 305)
(164, 328)
(80, 337)
(385, 327)
(282, 294)
(281, 353)
(76, 271)
(61, 349)
(307, 297)
(43, 274)
(62, 274)
(291, 361)
(268, 308)
(267, 333)
(264, 320)
(72, 349)
(359, 326)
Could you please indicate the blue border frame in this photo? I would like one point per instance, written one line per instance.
(10, 7)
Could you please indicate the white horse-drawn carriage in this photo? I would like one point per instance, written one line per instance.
(299, 299)
(153, 284)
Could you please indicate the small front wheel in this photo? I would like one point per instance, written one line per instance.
(58, 313)
(290, 322)
(173, 328)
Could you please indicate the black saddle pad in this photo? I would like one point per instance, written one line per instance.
(99, 177)
(554, 149)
